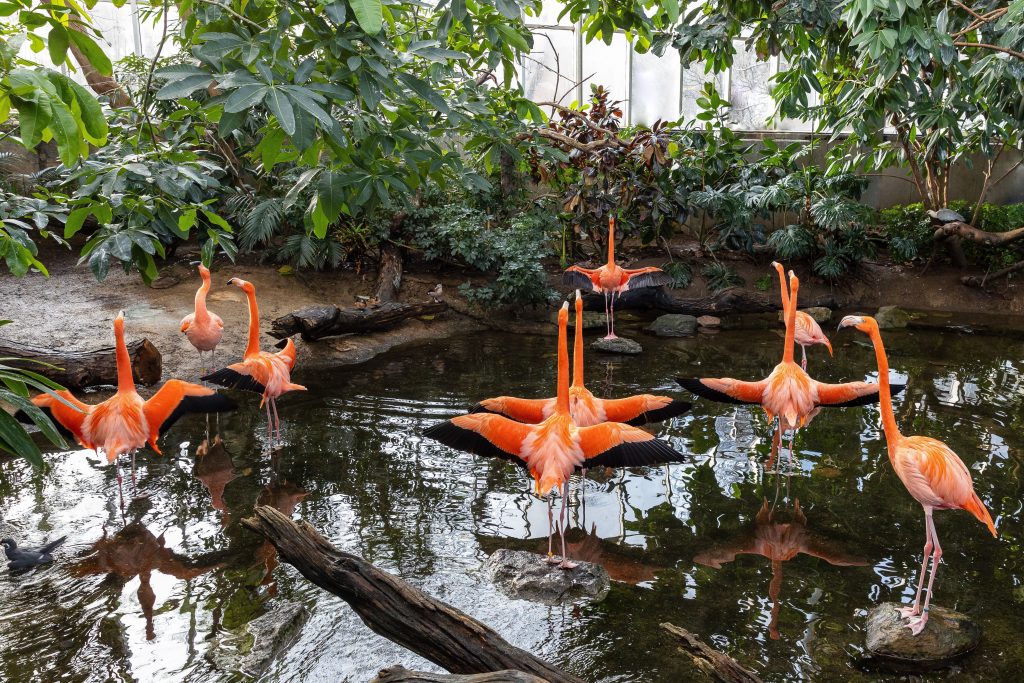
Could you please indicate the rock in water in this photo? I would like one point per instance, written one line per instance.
(673, 325)
(617, 345)
(709, 321)
(263, 638)
(528, 576)
(947, 635)
(891, 318)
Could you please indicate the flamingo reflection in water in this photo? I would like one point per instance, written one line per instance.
(215, 470)
(779, 541)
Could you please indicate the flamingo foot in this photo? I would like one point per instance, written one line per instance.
(917, 624)
(908, 612)
(567, 564)
(552, 559)
(612, 336)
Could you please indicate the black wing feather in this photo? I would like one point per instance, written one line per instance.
(480, 408)
(649, 280)
(867, 399)
(52, 545)
(637, 454)
(215, 403)
(229, 379)
(577, 280)
(676, 407)
(697, 387)
(469, 441)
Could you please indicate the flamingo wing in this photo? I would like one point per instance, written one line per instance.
(492, 436)
(67, 418)
(288, 353)
(611, 444)
(528, 410)
(726, 389)
(176, 399)
(643, 409)
(646, 277)
(584, 279)
(851, 394)
(236, 376)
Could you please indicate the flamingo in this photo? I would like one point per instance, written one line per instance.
(932, 473)
(203, 328)
(259, 371)
(808, 331)
(788, 392)
(586, 409)
(554, 448)
(125, 422)
(612, 280)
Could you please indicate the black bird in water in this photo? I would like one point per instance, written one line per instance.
(20, 558)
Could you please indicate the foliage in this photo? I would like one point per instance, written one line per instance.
(14, 391)
(680, 272)
(763, 283)
(908, 231)
(22, 217)
(721, 276)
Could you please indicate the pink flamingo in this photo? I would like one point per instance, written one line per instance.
(259, 371)
(203, 328)
(933, 474)
(807, 331)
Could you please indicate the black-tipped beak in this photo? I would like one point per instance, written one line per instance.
(194, 263)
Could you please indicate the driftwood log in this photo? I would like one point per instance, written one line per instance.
(399, 674)
(389, 270)
(718, 665)
(80, 369)
(394, 609)
(317, 322)
(732, 300)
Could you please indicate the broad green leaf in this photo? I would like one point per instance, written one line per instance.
(57, 42)
(369, 14)
(281, 107)
(172, 90)
(93, 52)
(14, 439)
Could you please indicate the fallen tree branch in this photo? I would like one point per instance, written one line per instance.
(317, 322)
(399, 674)
(966, 231)
(393, 608)
(718, 665)
(80, 369)
(982, 280)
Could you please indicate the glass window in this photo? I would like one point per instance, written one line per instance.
(549, 71)
(607, 65)
(656, 83)
(750, 90)
(694, 79)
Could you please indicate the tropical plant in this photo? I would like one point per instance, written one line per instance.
(721, 276)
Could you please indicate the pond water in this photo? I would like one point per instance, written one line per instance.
(154, 594)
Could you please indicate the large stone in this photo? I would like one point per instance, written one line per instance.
(592, 320)
(617, 345)
(251, 650)
(673, 325)
(891, 318)
(821, 314)
(709, 321)
(528, 576)
(946, 636)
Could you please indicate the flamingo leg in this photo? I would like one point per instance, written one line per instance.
(277, 420)
(776, 443)
(551, 532)
(792, 434)
(565, 563)
(913, 611)
(803, 360)
(611, 317)
(270, 426)
(917, 624)
(607, 317)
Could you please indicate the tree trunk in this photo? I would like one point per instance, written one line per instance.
(393, 608)
(317, 322)
(102, 85)
(389, 273)
(732, 300)
(399, 674)
(718, 665)
(80, 369)
(990, 239)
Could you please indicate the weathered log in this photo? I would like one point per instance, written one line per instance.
(394, 609)
(399, 674)
(732, 300)
(982, 280)
(80, 369)
(718, 665)
(389, 270)
(969, 232)
(318, 322)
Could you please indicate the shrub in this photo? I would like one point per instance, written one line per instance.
(721, 276)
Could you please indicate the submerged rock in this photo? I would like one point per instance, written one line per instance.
(251, 650)
(674, 325)
(891, 318)
(617, 345)
(946, 636)
(528, 576)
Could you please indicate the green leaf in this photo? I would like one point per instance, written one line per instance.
(93, 52)
(65, 132)
(217, 220)
(57, 42)
(246, 97)
(33, 119)
(14, 439)
(369, 14)
(172, 90)
(280, 106)
(186, 220)
(93, 120)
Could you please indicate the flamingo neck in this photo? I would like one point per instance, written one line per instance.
(577, 350)
(790, 312)
(784, 291)
(562, 402)
(253, 347)
(892, 431)
(611, 242)
(201, 313)
(125, 381)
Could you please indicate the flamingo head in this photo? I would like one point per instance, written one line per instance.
(119, 323)
(579, 302)
(862, 323)
(185, 324)
(244, 285)
(563, 314)
(778, 266)
(204, 272)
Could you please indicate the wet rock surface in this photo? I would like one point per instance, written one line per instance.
(528, 576)
(892, 318)
(251, 650)
(947, 635)
(709, 321)
(673, 325)
(617, 345)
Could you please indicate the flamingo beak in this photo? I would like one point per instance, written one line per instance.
(578, 295)
(828, 345)
(119, 316)
(232, 281)
(194, 263)
(850, 321)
